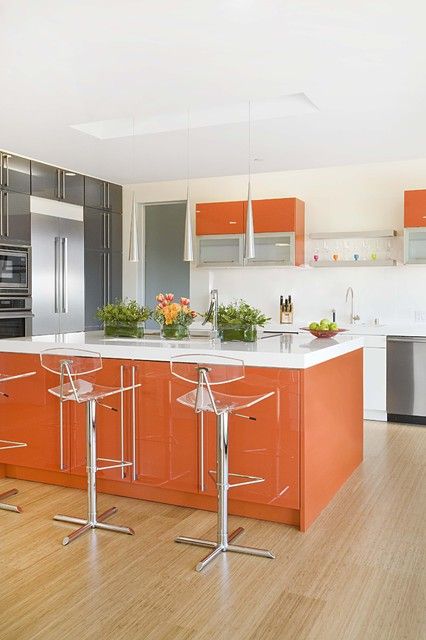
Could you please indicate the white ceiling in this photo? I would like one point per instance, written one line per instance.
(361, 63)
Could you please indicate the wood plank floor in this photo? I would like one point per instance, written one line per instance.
(357, 574)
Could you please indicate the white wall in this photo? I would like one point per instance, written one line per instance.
(361, 197)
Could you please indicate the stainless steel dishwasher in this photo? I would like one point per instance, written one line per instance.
(406, 379)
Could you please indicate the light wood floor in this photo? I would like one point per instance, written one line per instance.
(358, 574)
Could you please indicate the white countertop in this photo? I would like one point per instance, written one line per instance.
(286, 352)
(414, 329)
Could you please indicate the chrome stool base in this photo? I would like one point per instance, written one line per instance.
(219, 548)
(97, 523)
(9, 507)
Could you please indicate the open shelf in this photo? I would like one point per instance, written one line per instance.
(341, 235)
(352, 263)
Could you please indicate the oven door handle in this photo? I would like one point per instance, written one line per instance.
(13, 314)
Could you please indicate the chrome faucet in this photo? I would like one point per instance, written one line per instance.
(211, 315)
(350, 292)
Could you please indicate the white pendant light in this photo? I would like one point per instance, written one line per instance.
(188, 248)
(249, 250)
(133, 236)
(133, 240)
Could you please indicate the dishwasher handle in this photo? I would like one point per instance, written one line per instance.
(410, 339)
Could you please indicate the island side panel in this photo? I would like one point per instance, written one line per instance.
(331, 430)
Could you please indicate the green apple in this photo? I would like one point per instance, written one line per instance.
(314, 326)
(325, 322)
(333, 326)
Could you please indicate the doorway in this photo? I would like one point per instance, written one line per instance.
(165, 269)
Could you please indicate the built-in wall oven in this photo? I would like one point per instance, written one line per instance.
(15, 317)
(15, 277)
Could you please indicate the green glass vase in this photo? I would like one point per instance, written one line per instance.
(125, 330)
(238, 333)
(174, 331)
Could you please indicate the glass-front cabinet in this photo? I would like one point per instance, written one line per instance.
(415, 245)
(220, 250)
(273, 249)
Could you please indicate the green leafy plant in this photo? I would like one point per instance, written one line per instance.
(123, 312)
(240, 313)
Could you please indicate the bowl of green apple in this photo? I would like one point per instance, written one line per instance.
(323, 329)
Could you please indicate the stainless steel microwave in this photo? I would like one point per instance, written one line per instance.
(15, 270)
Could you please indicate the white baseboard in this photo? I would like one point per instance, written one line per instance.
(382, 416)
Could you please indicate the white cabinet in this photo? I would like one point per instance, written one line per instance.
(220, 251)
(374, 377)
(273, 249)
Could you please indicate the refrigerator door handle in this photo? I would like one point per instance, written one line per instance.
(64, 274)
(1, 213)
(57, 272)
(6, 200)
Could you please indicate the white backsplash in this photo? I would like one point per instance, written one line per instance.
(391, 294)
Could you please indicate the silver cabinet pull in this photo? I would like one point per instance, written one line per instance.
(109, 201)
(1, 213)
(58, 183)
(201, 482)
(109, 277)
(122, 419)
(57, 272)
(63, 185)
(104, 195)
(104, 235)
(6, 199)
(108, 228)
(64, 274)
(104, 283)
(6, 158)
(1, 168)
(134, 469)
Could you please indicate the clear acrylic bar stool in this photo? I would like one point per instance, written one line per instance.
(69, 364)
(209, 371)
(9, 444)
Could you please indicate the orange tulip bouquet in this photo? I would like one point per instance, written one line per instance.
(174, 317)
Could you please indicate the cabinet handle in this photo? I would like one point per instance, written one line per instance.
(105, 278)
(108, 256)
(109, 221)
(104, 195)
(57, 279)
(1, 213)
(123, 473)
(201, 452)
(63, 185)
(1, 168)
(108, 201)
(58, 183)
(6, 157)
(104, 238)
(64, 270)
(6, 199)
(134, 470)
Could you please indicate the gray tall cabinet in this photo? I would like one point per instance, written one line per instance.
(102, 246)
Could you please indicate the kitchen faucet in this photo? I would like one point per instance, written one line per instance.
(350, 292)
(211, 315)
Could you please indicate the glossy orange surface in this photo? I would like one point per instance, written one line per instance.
(415, 208)
(220, 218)
(305, 442)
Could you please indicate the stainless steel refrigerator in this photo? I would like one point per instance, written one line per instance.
(57, 239)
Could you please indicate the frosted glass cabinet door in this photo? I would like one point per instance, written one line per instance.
(226, 250)
(415, 246)
(273, 248)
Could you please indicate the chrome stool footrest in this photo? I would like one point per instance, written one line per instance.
(96, 523)
(9, 507)
(119, 464)
(10, 444)
(252, 479)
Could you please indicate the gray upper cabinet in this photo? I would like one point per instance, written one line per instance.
(15, 217)
(58, 184)
(103, 195)
(102, 230)
(15, 173)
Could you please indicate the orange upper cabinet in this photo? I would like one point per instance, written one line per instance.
(278, 214)
(218, 218)
(415, 208)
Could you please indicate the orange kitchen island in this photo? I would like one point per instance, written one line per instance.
(306, 441)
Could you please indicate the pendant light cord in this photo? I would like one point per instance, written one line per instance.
(249, 141)
(187, 155)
